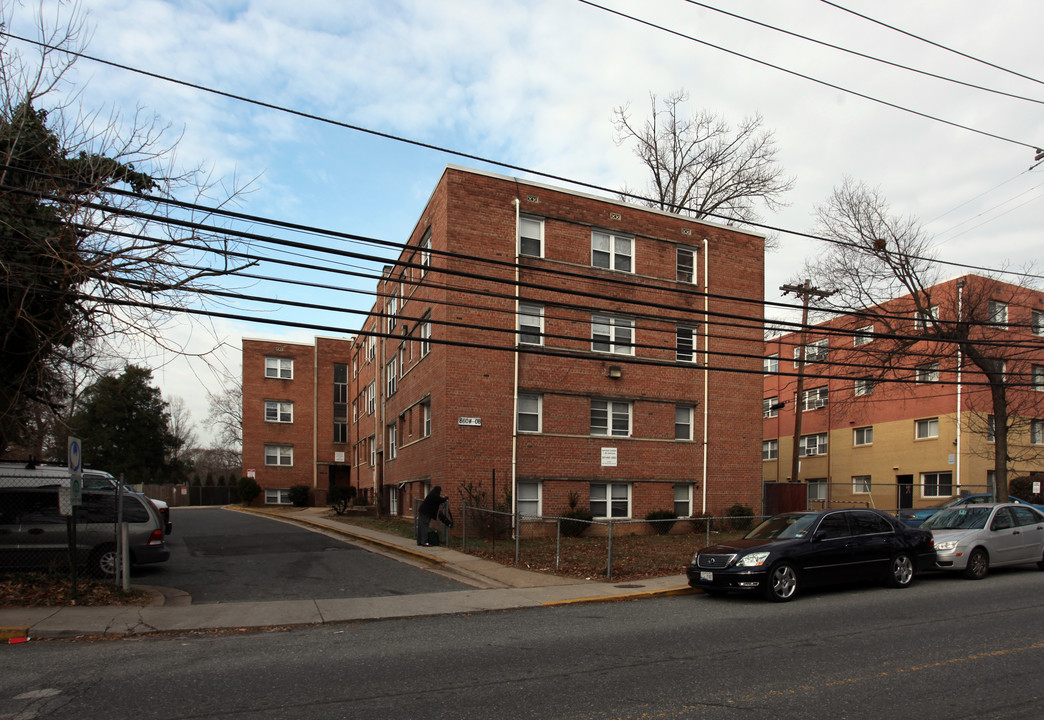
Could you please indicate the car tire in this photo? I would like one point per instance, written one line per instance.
(901, 571)
(1040, 565)
(978, 565)
(781, 584)
(102, 562)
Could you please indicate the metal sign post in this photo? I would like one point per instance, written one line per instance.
(75, 452)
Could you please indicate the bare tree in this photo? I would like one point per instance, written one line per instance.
(226, 415)
(92, 247)
(883, 273)
(699, 166)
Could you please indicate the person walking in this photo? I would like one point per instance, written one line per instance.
(428, 510)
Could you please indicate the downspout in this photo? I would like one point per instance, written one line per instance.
(960, 359)
(315, 415)
(514, 394)
(706, 363)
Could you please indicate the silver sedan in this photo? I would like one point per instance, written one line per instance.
(974, 538)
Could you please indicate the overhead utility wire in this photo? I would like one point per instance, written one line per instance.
(497, 163)
(832, 86)
(863, 55)
(932, 42)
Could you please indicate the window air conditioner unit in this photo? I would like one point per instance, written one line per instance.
(819, 404)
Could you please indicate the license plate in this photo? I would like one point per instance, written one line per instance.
(707, 576)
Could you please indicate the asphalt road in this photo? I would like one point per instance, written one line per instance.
(945, 648)
(222, 556)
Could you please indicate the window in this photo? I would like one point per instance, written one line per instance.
(611, 251)
(686, 343)
(277, 496)
(863, 436)
(683, 500)
(861, 484)
(769, 450)
(770, 407)
(812, 445)
(936, 484)
(863, 335)
(814, 352)
(1038, 378)
(683, 422)
(927, 373)
(340, 403)
(1037, 322)
(392, 376)
(1037, 432)
(612, 334)
(991, 428)
(389, 311)
(531, 324)
(863, 386)
(686, 265)
(817, 492)
(998, 314)
(279, 412)
(610, 500)
(814, 399)
(528, 499)
(393, 441)
(923, 319)
(928, 428)
(425, 334)
(426, 419)
(771, 364)
(611, 417)
(531, 237)
(529, 413)
(279, 455)
(281, 368)
(371, 347)
(371, 398)
(425, 255)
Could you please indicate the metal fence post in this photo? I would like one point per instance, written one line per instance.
(464, 527)
(609, 566)
(558, 543)
(518, 534)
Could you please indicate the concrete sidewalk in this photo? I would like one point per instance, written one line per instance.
(494, 587)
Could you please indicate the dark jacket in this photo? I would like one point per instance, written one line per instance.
(429, 507)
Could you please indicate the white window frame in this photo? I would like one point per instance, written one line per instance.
(683, 418)
(277, 496)
(529, 498)
(685, 263)
(815, 352)
(863, 335)
(426, 419)
(530, 324)
(277, 411)
(525, 237)
(770, 407)
(393, 441)
(814, 398)
(817, 489)
(425, 334)
(769, 450)
(991, 428)
(1037, 382)
(997, 313)
(371, 347)
(685, 334)
(770, 364)
(279, 368)
(373, 451)
(939, 489)
(279, 455)
(921, 320)
(390, 309)
(392, 375)
(530, 406)
(1037, 322)
(863, 436)
(863, 386)
(616, 497)
(862, 484)
(614, 411)
(425, 253)
(371, 398)
(817, 443)
(612, 334)
(1037, 432)
(610, 251)
(927, 373)
(683, 499)
(926, 429)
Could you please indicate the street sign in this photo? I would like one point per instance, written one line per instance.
(75, 471)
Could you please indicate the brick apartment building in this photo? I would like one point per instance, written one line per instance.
(533, 343)
(530, 343)
(865, 438)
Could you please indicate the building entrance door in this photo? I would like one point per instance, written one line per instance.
(904, 488)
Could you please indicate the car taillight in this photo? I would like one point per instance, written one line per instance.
(156, 538)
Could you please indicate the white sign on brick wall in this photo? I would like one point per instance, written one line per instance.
(609, 457)
(473, 421)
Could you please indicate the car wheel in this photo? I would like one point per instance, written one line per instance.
(103, 561)
(901, 571)
(782, 583)
(978, 565)
(1040, 565)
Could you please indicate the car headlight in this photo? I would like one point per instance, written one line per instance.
(946, 546)
(753, 559)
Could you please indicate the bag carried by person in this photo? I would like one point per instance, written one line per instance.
(433, 537)
(445, 516)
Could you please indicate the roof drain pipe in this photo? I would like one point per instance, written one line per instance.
(706, 361)
(514, 399)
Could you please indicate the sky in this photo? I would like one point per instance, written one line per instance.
(533, 83)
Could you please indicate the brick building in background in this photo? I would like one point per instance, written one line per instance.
(620, 394)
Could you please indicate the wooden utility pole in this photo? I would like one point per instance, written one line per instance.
(805, 291)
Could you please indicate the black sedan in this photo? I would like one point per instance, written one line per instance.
(804, 549)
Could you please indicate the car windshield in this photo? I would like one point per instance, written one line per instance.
(959, 518)
(781, 527)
